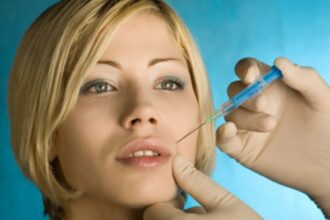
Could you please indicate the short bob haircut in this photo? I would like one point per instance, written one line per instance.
(50, 65)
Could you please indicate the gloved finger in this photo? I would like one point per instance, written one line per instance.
(250, 69)
(228, 140)
(231, 143)
(252, 121)
(218, 202)
(165, 211)
(305, 80)
(201, 187)
(196, 210)
(256, 104)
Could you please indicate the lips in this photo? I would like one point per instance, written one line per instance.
(144, 153)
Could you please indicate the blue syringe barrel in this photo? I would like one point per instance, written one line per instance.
(252, 90)
(238, 99)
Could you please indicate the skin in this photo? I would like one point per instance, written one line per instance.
(135, 103)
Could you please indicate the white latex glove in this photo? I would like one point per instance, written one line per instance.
(284, 133)
(217, 202)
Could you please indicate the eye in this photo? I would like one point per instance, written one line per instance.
(171, 84)
(97, 86)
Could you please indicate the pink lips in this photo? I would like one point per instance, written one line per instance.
(125, 156)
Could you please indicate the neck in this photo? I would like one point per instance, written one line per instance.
(87, 209)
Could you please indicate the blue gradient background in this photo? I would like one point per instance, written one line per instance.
(225, 31)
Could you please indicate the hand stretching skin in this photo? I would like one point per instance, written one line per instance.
(217, 202)
(284, 133)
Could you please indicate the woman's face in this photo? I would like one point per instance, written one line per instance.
(119, 141)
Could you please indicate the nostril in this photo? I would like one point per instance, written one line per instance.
(153, 121)
(135, 121)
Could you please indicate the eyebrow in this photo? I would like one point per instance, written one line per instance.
(151, 63)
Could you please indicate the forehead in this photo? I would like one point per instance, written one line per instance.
(143, 34)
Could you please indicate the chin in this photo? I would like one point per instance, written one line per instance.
(149, 194)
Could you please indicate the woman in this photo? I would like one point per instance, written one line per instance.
(104, 80)
(101, 91)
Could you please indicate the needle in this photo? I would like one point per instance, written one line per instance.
(249, 92)
(189, 133)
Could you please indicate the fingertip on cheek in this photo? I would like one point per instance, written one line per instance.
(181, 162)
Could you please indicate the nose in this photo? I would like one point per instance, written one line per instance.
(140, 114)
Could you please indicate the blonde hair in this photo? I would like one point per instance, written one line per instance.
(51, 62)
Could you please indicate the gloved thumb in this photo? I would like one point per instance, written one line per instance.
(303, 79)
(208, 193)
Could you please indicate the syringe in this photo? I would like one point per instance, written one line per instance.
(249, 92)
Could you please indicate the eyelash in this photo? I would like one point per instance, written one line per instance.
(92, 85)
(180, 85)
(175, 82)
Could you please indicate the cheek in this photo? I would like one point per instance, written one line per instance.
(74, 155)
(185, 118)
(188, 148)
(82, 140)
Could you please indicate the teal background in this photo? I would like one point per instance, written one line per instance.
(225, 31)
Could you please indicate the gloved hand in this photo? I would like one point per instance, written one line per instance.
(217, 202)
(284, 133)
